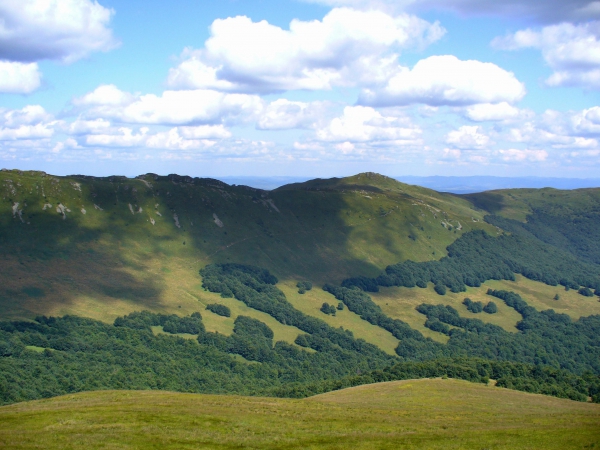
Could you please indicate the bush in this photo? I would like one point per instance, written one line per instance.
(586, 292)
(490, 308)
(440, 289)
(219, 309)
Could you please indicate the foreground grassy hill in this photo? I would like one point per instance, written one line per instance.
(424, 414)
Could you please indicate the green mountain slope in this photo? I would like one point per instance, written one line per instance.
(567, 220)
(77, 244)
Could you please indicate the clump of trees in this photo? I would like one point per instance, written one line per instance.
(474, 307)
(303, 286)
(490, 308)
(219, 309)
(326, 308)
(477, 307)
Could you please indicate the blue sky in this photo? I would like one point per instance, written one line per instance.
(301, 88)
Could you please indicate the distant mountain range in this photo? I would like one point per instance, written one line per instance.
(456, 185)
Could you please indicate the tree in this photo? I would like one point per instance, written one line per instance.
(440, 289)
(557, 297)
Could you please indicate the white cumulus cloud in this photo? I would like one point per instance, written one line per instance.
(66, 30)
(19, 78)
(468, 137)
(447, 80)
(28, 115)
(587, 121)
(571, 50)
(79, 126)
(491, 112)
(547, 11)
(178, 138)
(518, 155)
(30, 122)
(283, 114)
(191, 107)
(365, 124)
(345, 48)
(38, 131)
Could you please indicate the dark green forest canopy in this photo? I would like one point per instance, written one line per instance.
(477, 257)
(82, 354)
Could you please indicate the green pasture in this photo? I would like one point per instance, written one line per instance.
(413, 414)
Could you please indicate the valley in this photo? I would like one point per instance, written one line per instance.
(82, 257)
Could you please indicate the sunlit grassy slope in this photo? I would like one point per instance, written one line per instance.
(400, 303)
(519, 203)
(311, 302)
(423, 414)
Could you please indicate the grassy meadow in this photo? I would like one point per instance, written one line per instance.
(400, 303)
(419, 414)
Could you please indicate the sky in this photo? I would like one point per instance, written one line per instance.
(313, 88)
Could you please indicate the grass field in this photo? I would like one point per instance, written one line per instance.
(413, 414)
(310, 303)
(400, 303)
